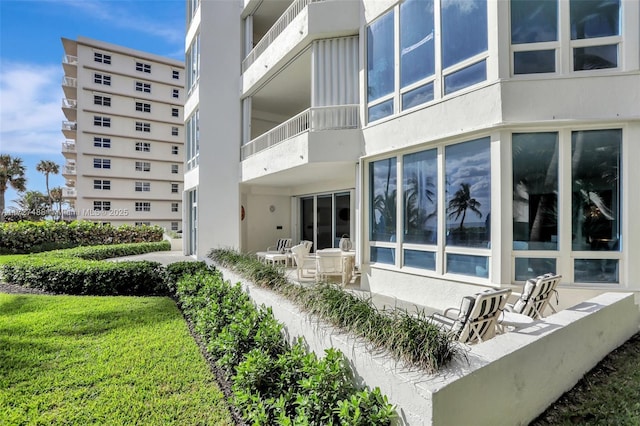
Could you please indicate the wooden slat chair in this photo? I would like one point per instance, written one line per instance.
(477, 317)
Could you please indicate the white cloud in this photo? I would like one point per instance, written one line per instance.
(30, 112)
(123, 16)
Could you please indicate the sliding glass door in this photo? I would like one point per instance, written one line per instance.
(325, 218)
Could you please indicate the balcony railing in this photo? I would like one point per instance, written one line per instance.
(69, 145)
(281, 24)
(313, 119)
(69, 192)
(69, 170)
(70, 60)
(69, 103)
(69, 81)
(69, 125)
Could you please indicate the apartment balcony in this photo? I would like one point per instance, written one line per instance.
(69, 129)
(70, 65)
(69, 193)
(301, 23)
(70, 109)
(319, 140)
(70, 87)
(69, 170)
(69, 148)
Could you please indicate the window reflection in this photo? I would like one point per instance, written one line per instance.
(534, 21)
(380, 64)
(382, 177)
(417, 59)
(595, 57)
(536, 61)
(419, 185)
(535, 191)
(468, 198)
(595, 176)
(464, 30)
(465, 77)
(594, 18)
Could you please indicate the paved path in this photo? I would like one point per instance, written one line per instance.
(164, 257)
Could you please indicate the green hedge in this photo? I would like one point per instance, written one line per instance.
(80, 271)
(33, 237)
(272, 381)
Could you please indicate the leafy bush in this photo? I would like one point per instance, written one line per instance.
(273, 382)
(80, 271)
(87, 277)
(33, 237)
(177, 270)
(410, 337)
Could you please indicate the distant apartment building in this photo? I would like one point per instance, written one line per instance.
(124, 132)
(462, 145)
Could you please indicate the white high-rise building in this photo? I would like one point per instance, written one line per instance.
(124, 146)
(462, 145)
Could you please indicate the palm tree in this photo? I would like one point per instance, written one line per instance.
(33, 205)
(47, 167)
(11, 174)
(56, 197)
(461, 202)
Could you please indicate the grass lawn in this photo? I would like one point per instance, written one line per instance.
(80, 360)
(607, 395)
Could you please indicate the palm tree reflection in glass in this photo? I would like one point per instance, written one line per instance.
(460, 203)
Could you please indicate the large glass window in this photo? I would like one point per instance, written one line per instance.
(535, 191)
(193, 63)
(594, 18)
(595, 176)
(468, 198)
(382, 177)
(534, 21)
(464, 30)
(192, 128)
(380, 63)
(420, 183)
(417, 57)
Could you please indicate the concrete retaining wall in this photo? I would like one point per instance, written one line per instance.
(507, 380)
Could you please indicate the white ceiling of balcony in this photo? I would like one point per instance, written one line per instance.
(289, 91)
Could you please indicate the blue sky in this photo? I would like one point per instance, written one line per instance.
(31, 64)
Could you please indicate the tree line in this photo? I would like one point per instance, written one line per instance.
(32, 205)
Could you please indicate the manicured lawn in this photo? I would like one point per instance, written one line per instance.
(607, 395)
(102, 360)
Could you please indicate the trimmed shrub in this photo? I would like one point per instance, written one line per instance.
(88, 277)
(81, 271)
(177, 270)
(273, 382)
(33, 237)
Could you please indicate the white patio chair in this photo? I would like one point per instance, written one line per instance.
(303, 261)
(328, 263)
(477, 317)
(536, 296)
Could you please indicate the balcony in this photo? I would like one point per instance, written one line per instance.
(69, 193)
(70, 87)
(301, 23)
(69, 170)
(69, 129)
(70, 65)
(318, 138)
(69, 108)
(69, 148)
(313, 119)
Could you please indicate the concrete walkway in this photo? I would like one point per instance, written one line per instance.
(164, 257)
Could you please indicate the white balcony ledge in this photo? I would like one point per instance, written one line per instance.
(310, 120)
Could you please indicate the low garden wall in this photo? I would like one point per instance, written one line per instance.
(508, 380)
